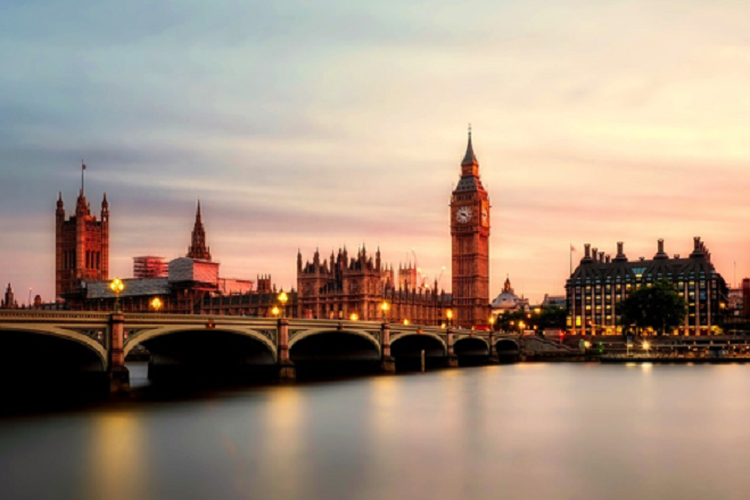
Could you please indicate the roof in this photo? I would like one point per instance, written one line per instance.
(134, 287)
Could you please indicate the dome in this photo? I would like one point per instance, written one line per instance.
(507, 300)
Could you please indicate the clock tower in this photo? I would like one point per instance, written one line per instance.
(470, 234)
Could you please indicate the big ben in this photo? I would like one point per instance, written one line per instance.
(470, 235)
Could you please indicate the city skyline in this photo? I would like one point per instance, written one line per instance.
(299, 128)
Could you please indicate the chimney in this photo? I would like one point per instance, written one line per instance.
(594, 253)
(587, 248)
(660, 254)
(620, 257)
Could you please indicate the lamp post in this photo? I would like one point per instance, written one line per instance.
(384, 307)
(491, 322)
(354, 317)
(117, 286)
(283, 298)
(449, 317)
(275, 311)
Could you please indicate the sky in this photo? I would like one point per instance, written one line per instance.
(319, 124)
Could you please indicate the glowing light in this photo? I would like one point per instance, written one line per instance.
(156, 304)
(275, 311)
(406, 321)
(354, 317)
(117, 286)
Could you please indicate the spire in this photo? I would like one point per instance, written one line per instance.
(83, 169)
(198, 248)
(469, 158)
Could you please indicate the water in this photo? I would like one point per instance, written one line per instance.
(526, 431)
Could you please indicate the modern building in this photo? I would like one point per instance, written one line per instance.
(599, 283)
(81, 245)
(470, 245)
(344, 287)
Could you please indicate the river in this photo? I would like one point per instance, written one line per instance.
(523, 431)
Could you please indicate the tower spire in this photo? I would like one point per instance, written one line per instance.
(83, 169)
(198, 248)
(469, 158)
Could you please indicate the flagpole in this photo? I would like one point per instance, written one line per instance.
(83, 169)
(571, 258)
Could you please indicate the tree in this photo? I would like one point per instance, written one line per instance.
(657, 306)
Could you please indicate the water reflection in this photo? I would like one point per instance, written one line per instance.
(285, 448)
(562, 431)
(118, 466)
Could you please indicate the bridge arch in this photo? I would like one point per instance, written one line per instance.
(147, 335)
(507, 347)
(305, 334)
(91, 345)
(471, 346)
(412, 343)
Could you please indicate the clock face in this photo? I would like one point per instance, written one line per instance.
(463, 215)
(485, 215)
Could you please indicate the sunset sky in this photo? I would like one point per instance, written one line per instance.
(304, 124)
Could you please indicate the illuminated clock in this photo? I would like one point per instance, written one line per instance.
(485, 215)
(463, 215)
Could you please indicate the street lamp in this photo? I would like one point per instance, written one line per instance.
(275, 311)
(283, 298)
(354, 317)
(406, 322)
(646, 346)
(491, 322)
(117, 286)
(384, 307)
(449, 317)
(156, 304)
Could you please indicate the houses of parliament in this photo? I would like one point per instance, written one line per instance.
(347, 286)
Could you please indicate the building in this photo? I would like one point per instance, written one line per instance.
(9, 300)
(344, 287)
(554, 301)
(508, 301)
(81, 245)
(149, 266)
(189, 285)
(599, 283)
(470, 232)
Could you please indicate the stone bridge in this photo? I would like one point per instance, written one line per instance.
(90, 342)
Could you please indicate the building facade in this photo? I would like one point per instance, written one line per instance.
(599, 283)
(189, 285)
(81, 245)
(356, 287)
(9, 299)
(470, 247)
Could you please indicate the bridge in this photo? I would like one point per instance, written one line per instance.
(62, 344)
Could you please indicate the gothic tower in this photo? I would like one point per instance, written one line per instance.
(81, 244)
(470, 233)
(198, 248)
